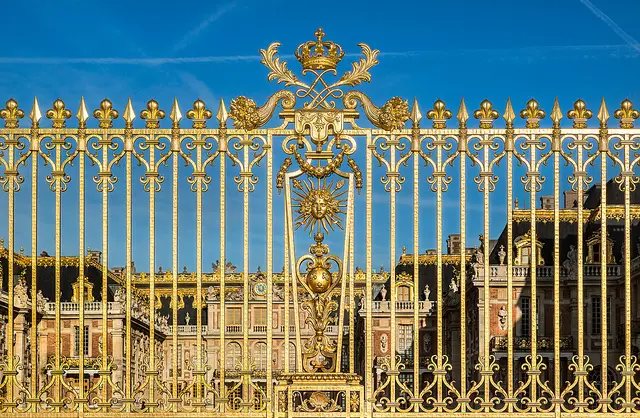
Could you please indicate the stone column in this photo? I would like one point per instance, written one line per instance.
(117, 348)
(19, 329)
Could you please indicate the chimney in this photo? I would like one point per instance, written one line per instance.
(547, 202)
(453, 244)
(570, 200)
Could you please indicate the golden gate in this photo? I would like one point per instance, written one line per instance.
(328, 160)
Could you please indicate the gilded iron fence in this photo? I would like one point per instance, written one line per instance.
(487, 357)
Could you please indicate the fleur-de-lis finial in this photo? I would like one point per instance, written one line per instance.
(11, 114)
(105, 114)
(58, 114)
(439, 114)
(199, 114)
(35, 115)
(556, 114)
(627, 114)
(83, 114)
(532, 113)
(486, 114)
(176, 114)
(152, 114)
(463, 115)
(580, 114)
(509, 115)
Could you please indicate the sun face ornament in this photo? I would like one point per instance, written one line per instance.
(320, 205)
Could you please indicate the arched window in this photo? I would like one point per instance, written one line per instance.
(233, 355)
(260, 355)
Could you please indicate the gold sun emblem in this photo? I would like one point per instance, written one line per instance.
(319, 204)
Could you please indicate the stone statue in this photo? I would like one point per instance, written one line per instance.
(20, 295)
(571, 263)
(426, 343)
(41, 302)
(383, 292)
(501, 255)
(187, 318)
(502, 318)
(384, 343)
(426, 292)
(453, 286)
(211, 295)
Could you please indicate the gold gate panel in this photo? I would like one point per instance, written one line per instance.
(530, 325)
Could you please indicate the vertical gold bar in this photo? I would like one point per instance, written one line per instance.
(604, 147)
(487, 284)
(270, 401)
(627, 270)
(104, 188)
(287, 302)
(343, 280)
(58, 291)
(462, 146)
(152, 271)
(245, 273)
(416, 275)
(81, 267)
(369, 379)
(580, 181)
(223, 165)
(174, 282)
(439, 313)
(556, 265)
(198, 299)
(533, 274)
(392, 259)
(35, 147)
(509, 148)
(129, 289)
(294, 277)
(352, 301)
(11, 143)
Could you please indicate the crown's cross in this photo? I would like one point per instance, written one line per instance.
(319, 34)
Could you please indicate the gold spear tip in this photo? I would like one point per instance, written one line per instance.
(462, 115)
(176, 114)
(603, 113)
(35, 114)
(129, 113)
(556, 113)
(509, 115)
(83, 113)
(222, 114)
(415, 112)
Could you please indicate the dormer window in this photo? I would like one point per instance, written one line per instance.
(88, 291)
(594, 249)
(523, 250)
(404, 287)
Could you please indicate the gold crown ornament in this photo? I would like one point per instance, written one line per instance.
(319, 54)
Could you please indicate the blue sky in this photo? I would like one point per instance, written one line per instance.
(430, 50)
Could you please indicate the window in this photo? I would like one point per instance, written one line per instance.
(260, 356)
(525, 321)
(86, 340)
(180, 360)
(292, 356)
(596, 315)
(525, 256)
(234, 316)
(260, 316)
(404, 293)
(233, 355)
(405, 341)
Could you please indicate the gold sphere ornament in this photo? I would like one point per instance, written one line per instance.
(319, 279)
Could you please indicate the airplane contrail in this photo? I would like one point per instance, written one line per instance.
(612, 25)
(615, 51)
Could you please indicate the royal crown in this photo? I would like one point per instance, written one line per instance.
(319, 54)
